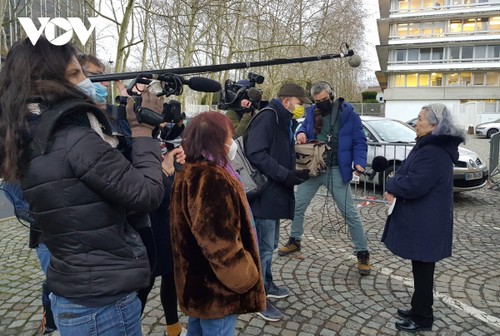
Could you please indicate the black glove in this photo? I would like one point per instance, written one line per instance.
(297, 177)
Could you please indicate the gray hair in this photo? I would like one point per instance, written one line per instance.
(320, 87)
(439, 115)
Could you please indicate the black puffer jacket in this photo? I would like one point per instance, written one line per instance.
(79, 192)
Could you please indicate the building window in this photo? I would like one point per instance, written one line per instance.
(402, 29)
(494, 24)
(423, 80)
(437, 54)
(413, 54)
(492, 78)
(400, 55)
(454, 53)
(467, 53)
(400, 81)
(479, 78)
(413, 29)
(452, 79)
(480, 52)
(456, 26)
(425, 54)
(436, 79)
(465, 78)
(411, 80)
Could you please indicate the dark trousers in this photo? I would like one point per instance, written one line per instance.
(422, 299)
(168, 297)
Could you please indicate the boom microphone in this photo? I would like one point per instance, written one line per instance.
(354, 61)
(202, 84)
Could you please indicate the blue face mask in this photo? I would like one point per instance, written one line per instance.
(88, 88)
(101, 93)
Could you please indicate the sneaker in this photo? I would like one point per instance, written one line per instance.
(364, 266)
(271, 313)
(277, 292)
(293, 245)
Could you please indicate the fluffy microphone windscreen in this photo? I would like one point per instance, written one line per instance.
(379, 163)
(354, 61)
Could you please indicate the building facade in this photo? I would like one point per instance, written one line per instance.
(445, 51)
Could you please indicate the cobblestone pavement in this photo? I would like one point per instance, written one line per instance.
(328, 296)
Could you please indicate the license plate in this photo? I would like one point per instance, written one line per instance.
(473, 176)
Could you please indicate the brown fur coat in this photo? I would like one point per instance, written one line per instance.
(216, 259)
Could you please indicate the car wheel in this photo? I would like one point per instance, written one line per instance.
(388, 173)
(491, 132)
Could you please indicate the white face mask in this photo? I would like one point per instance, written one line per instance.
(232, 150)
(88, 88)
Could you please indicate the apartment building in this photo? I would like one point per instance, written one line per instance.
(445, 51)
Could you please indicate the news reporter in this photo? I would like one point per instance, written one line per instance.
(80, 189)
(420, 227)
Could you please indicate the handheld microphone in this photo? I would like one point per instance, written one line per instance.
(379, 164)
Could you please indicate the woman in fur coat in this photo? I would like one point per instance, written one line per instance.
(216, 260)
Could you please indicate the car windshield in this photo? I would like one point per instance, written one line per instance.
(392, 131)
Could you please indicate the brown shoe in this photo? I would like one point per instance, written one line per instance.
(364, 266)
(293, 245)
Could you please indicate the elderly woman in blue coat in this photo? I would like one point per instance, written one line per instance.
(420, 226)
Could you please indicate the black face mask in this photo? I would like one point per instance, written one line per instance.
(325, 107)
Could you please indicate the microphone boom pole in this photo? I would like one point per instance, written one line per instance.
(218, 67)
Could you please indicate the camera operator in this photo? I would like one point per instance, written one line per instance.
(241, 116)
(79, 188)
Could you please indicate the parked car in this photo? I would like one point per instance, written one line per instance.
(487, 129)
(394, 140)
(412, 122)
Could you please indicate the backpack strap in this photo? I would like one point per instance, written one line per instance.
(247, 129)
(50, 117)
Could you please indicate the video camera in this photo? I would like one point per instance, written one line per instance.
(233, 93)
(164, 85)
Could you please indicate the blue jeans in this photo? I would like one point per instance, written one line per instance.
(43, 254)
(268, 236)
(225, 326)
(120, 318)
(343, 198)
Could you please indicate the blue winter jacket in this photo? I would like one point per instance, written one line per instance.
(421, 224)
(352, 139)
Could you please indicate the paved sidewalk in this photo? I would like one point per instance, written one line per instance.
(328, 297)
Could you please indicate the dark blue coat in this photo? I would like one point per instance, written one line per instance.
(271, 149)
(352, 140)
(421, 224)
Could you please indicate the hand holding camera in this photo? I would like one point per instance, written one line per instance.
(150, 104)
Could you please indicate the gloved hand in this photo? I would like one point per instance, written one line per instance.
(297, 177)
